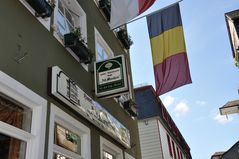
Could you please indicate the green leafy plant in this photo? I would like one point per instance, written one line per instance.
(52, 3)
(125, 38)
(77, 33)
(71, 137)
(130, 40)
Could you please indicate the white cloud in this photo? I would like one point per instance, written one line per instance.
(181, 109)
(222, 119)
(168, 100)
(200, 102)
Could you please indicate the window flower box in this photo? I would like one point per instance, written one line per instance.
(79, 47)
(106, 8)
(42, 7)
(124, 38)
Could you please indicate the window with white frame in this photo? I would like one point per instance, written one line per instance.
(128, 156)
(169, 146)
(44, 21)
(107, 155)
(68, 139)
(102, 49)
(22, 120)
(69, 15)
(174, 150)
(109, 151)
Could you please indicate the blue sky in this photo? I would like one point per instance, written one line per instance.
(194, 107)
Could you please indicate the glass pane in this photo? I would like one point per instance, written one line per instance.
(65, 22)
(11, 148)
(60, 6)
(107, 155)
(15, 115)
(69, 27)
(59, 156)
(69, 17)
(101, 53)
(67, 139)
(61, 23)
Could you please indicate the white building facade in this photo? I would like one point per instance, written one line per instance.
(159, 136)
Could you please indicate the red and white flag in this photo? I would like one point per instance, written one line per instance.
(123, 11)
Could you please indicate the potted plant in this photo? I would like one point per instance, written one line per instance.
(124, 38)
(106, 8)
(42, 7)
(78, 45)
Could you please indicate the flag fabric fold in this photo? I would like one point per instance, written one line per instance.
(171, 67)
(123, 11)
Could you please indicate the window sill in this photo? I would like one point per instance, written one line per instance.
(61, 41)
(45, 22)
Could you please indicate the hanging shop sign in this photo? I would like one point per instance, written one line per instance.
(66, 90)
(110, 77)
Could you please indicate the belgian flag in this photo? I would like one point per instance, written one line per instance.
(171, 68)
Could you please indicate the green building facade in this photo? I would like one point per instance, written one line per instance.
(37, 122)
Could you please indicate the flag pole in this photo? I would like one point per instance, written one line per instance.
(148, 14)
(154, 12)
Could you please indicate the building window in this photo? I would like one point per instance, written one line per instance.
(23, 121)
(169, 146)
(109, 150)
(174, 128)
(65, 19)
(105, 8)
(101, 53)
(178, 153)
(102, 49)
(164, 112)
(107, 155)
(46, 22)
(12, 148)
(174, 151)
(69, 139)
(181, 155)
(69, 15)
(170, 122)
(15, 116)
(128, 156)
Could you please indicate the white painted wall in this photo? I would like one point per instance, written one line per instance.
(153, 140)
(164, 141)
(149, 139)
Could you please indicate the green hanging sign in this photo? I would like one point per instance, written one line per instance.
(110, 77)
